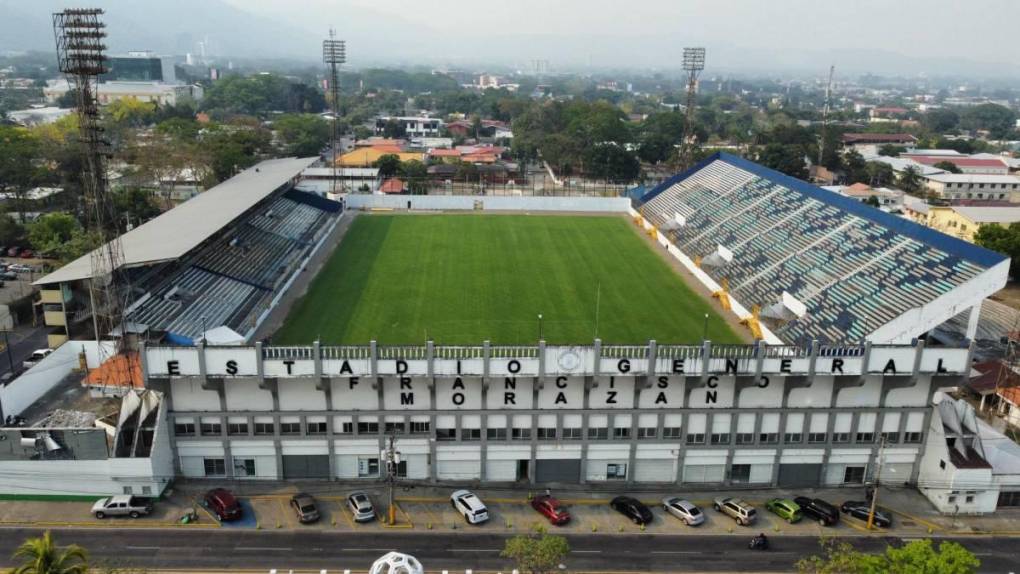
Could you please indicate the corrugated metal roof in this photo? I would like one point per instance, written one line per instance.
(178, 231)
(996, 214)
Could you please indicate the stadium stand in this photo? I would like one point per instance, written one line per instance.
(856, 269)
(219, 259)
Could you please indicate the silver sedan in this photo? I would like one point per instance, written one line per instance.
(684, 510)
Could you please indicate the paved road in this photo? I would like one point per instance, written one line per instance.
(23, 341)
(314, 550)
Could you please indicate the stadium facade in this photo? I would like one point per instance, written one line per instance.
(837, 390)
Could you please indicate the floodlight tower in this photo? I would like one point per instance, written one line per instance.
(79, 35)
(334, 53)
(693, 64)
(825, 114)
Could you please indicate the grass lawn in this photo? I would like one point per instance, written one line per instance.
(462, 279)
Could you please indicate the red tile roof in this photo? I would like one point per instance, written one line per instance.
(445, 153)
(392, 185)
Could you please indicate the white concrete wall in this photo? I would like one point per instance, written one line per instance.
(80, 477)
(489, 203)
(20, 393)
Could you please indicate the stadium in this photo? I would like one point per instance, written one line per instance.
(731, 326)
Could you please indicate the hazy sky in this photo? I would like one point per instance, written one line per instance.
(615, 31)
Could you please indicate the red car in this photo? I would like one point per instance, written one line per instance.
(26, 254)
(551, 508)
(222, 504)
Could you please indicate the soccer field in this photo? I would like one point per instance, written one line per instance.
(463, 279)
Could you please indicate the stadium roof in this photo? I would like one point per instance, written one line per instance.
(822, 266)
(178, 231)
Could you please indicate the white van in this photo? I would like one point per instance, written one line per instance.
(469, 506)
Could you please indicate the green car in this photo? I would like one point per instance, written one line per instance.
(785, 508)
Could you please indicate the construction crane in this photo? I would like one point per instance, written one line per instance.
(80, 35)
(825, 114)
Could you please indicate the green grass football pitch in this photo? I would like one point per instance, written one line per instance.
(463, 279)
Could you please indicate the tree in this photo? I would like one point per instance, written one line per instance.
(416, 174)
(43, 556)
(854, 166)
(872, 201)
(388, 164)
(393, 129)
(910, 180)
(1000, 121)
(302, 134)
(611, 162)
(135, 204)
(880, 173)
(19, 151)
(787, 158)
(940, 120)
(891, 150)
(947, 166)
(11, 232)
(914, 557)
(60, 235)
(1005, 240)
(538, 554)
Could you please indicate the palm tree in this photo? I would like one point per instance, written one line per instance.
(43, 556)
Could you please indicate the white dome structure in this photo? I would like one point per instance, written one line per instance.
(397, 563)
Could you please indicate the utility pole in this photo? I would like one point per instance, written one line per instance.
(392, 460)
(825, 114)
(874, 490)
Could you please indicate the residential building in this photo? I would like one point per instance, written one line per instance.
(888, 199)
(952, 186)
(349, 180)
(139, 67)
(868, 143)
(157, 92)
(963, 221)
(413, 126)
(966, 164)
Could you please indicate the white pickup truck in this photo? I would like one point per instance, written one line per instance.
(123, 505)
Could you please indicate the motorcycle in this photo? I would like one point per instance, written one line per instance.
(759, 542)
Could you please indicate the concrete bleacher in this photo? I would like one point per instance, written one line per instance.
(231, 280)
(856, 269)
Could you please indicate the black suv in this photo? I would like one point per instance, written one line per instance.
(817, 509)
(632, 508)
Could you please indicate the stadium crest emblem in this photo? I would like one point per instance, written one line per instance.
(569, 360)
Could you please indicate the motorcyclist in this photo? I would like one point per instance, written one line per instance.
(760, 541)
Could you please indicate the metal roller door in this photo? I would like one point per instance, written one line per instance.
(654, 470)
(458, 469)
(305, 466)
(501, 470)
(800, 475)
(558, 470)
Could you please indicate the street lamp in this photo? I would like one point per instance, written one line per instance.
(539, 326)
(704, 331)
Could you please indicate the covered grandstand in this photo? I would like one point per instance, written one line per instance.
(817, 265)
(221, 259)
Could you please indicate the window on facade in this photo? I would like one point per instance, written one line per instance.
(237, 427)
(672, 432)
(616, 471)
(696, 438)
(969, 499)
(853, 475)
(470, 434)
(446, 434)
(621, 432)
(215, 467)
(792, 437)
(912, 437)
(951, 498)
(572, 433)
(646, 432)
(841, 437)
(211, 428)
(368, 428)
(547, 434)
(866, 437)
(598, 433)
(394, 428)
(184, 428)
(318, 427)
(740, 473)
(891, 436)
(420, 427)
(345, 428)
(745, 438)
(264, 429)
(768, 438)
(244, 467)
(146, 490)
(520, 434)
(721, 438)
(495, 433)
(368, 467)
(290, 428)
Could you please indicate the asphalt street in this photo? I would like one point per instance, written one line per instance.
(313, 550)
(23, 341)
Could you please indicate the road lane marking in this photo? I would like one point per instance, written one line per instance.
(586, 552)
(142, 547)
(367, 550)
(475, 550)
(676, 552)
(259, 548)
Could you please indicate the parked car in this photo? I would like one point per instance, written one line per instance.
(683, 509)
(18, 268)
(817, 509)
(9, 275)
(632, 508)
(36, 356)
(469, 506)
(785, 508)
(26, 254)
(860, 509)
(551, 508)
(305, 508)
(122, 505)
(361, 507)
(13, 251)
(222, 504)
(737, 509)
